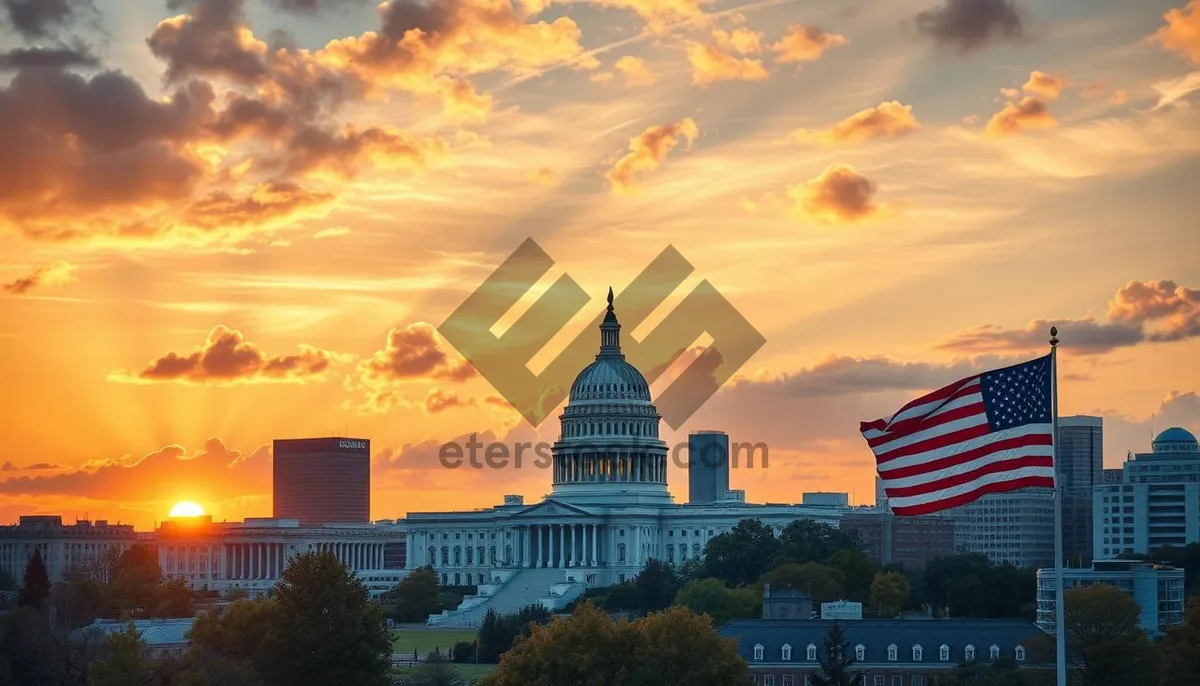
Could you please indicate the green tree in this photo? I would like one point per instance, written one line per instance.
(889, 594)
(234, 637)
(434, 671)
(721, 603)
(136, 579)
(415, 597)
(177, 599)
(806, 540)
(858, 570)
(743, 554)
(125, 663)
(823, 582)
(498, 633)
(324, 629)
(1180, 649)
(836, 663)
(37, 582)
(657, 585)
(678, 647)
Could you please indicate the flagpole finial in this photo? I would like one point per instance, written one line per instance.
(1053, 336)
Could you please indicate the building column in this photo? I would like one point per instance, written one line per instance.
(526, 553)
(562, 548)
(537, 544)
(595, 538)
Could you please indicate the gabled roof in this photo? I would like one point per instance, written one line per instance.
(549, 506)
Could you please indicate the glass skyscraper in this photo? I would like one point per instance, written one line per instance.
(1080, 466)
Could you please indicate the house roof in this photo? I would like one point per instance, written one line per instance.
(155, 632)
(875, 635)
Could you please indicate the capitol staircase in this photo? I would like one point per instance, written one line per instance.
(547, 587)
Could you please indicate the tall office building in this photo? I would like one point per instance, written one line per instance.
(708, 467)
(1081, 466)
(323, 480)
(1015, 527)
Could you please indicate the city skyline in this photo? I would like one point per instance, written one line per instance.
(201, 258)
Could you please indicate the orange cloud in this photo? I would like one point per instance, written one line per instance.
(545, 176)
(1181, 35)
(647, 150)
(635, 70)
(805, 44)
(415, 352)
(44, 276)
(438, 401)
(341, 154)
(888, 120)
(226, 358)
(1048, 86)
(1175, 309)
(1029, 113)
(839, 194)
(717, 60)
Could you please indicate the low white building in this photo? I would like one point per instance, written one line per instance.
(608, 513)
(1158, 589)
(65, 548)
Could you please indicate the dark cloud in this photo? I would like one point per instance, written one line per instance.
(969, 25)
(838, 375)
(226, 358)
(315, 7)
(62, 57)
(438, 401)
(42, 466)
(342, 153)
(414, 352)
(34, 19)
(211, 40)
(164, 474)
(46, 275)
(8, 467)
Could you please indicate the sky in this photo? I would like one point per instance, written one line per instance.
(228, 221)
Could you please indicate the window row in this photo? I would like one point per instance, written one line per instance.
(893, 653)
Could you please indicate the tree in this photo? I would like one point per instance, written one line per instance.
(823, 582)
(742, 554)
(37, 582)
(889, 594)
(657, 585)
(435, 671)
(463, 651)
(1181, 649)
(234, 637)
(721, 603)
(415, 597)
(807, 540)
(858, 570)
(135, 580)
(7, 583)
(835, 665)
(178, 599)
(125, 664)
(671, 648)
(498, 632)
(1103, 638)
(323, 628)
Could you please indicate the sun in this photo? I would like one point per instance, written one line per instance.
(186, 509)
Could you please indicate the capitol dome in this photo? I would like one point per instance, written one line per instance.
(1176, 439)
(608, 449)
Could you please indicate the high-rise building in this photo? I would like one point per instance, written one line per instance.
(1015, 527)
(322, 480)
(1157, 589)
(1156, 503)
(1080, 467)
(708, 467)
(910, 541)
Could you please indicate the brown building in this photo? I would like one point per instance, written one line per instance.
(910, 541)
(322, 480)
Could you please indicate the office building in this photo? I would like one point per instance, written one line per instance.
(322, 480)
(708, 467)
(910, 541)
(1157, 501)
(82, 547)
(1081, 466)
(1015, 527)
(822, 499)
(1158, 589)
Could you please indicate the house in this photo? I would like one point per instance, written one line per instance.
(163, 637)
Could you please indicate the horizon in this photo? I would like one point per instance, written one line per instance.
(207, 251)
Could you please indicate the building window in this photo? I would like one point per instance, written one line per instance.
(944, 653)
(897, 680)
(860, 653)
(758, 652)
(812, 653)
(768, 680)
(878, 680)
(917, 680)
(787, 680)
(892, 652)
(969, 654)
(917, 653)
(1020, 653)
(994, 653)
(786, 652)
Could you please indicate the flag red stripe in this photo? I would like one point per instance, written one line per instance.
(912, 426)
(967, 477)
(934, 442)
(967, 455)
(970, 496)
(940, 393)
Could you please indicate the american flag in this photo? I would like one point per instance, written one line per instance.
(988, 433)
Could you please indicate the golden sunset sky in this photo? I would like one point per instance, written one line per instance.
(228, 221)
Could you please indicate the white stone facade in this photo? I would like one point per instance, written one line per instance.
(65, 548)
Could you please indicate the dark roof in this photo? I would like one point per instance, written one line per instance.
(877, 634)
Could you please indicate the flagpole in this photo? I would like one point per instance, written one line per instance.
(1060, 630)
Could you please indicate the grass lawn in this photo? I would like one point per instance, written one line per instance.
(405, 641)
(470, 672)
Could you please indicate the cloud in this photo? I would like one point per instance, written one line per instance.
(8, 467)
(887, 120)
(1029, 113)
(966, 26)
(61, 57)
(314, 150)
(34, 19)
(839, 375)
(1173, 90)
(805, 44)
(658, 14)
(438, 401)
(226, 358)
(839, 194)
(1123, 434)
(331, 232)
(313, 8)
(546, 176)
(718, 60)
(167, 473)
(1048, 86)
(647, 150)
(44, 276)
(1152, 311)
(1181, 35)
(635, 70)
(415, 352)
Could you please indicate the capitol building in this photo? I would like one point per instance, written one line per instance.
(608, 513)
